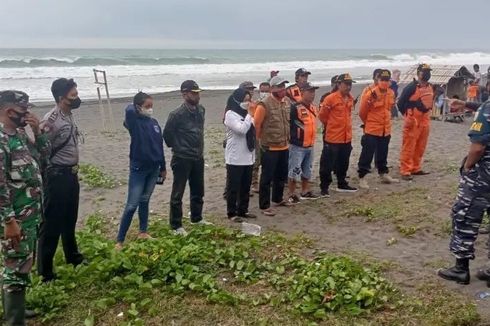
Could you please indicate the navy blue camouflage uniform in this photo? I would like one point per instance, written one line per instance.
(473, 197)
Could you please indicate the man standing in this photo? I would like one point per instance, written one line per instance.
(395, 79)
(20, 199)
(473, 199)
(375, 113)
(272, 126)
(336, 116)
(303, 136)
(62, 189)
(264, 91)
(294, 91)
(415, 103)
(184, 133)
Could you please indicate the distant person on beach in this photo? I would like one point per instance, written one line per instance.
(20, 200)
(272, 125)
(472, 197)
(293, 91)
(264, 92)
(336, 116)
(415, 104)
(62, 188)
(239, 155)
(375, 113)
(146, 164)
(473, 91)
(303, 136)
(477, 73)
(395, 79)
(184, 133)
(273, 74)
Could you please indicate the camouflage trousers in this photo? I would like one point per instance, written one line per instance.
(17, 262)
(472, 201)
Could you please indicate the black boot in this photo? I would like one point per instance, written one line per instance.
(484, 275)
(14, 301)
(29, 313)
(460, 273)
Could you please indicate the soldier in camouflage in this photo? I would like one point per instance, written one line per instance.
(20, 199)
(473, 197)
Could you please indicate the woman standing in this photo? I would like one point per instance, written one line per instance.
(239, 154)
(147, 163)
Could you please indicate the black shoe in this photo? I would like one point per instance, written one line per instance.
(421, 172)
(325, 194)
(236, 219)
(460, 273)
(49, 278)
(346, 188)
(248, 215)
(484, 275)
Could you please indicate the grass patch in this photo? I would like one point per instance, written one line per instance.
(94, 177)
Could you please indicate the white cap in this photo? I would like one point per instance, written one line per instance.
(277, 80)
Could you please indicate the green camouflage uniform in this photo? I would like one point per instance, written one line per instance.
(20, 198)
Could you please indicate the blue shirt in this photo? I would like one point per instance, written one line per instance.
(146, 149)
(394, 87)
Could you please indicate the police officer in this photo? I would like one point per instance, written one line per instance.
(62, 188)
(473, 198)
(20, 199)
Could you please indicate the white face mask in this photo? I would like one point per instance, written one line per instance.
(245, 105)
(147, 112)
(263, 95)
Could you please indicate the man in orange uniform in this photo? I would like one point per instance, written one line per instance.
(294, 91)
(303, 136)
(272, 125)
(415, 104)
(336, 116)
(473, 91)
(375, 113)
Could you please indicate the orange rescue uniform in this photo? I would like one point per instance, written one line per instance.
(336, 115)
(294, 93)
(473, 91)
(375, 111)
(303, 125)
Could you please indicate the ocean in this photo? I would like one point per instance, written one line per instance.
(33, 70)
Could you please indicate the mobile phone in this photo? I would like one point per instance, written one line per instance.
(160, 180)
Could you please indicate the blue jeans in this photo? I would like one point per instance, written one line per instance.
(141, 185)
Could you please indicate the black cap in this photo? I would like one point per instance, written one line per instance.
(423, 66)
(334, 79)
(15, 97)
(307, 86)
(385, 74)
(345, 78)
(247, 85)
(302, 71)
(376, 73)
(190, 86)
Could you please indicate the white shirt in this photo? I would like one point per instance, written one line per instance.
(236, 151)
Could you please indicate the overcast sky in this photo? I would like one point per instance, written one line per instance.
(246, 24)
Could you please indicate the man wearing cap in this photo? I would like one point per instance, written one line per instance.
(415, 104)
(336, 116)
(375, 113)
(20, 199)
(184, 133)
(303, 136)
(62, 189)
(273, 74)
(272, 125)
(294, 91)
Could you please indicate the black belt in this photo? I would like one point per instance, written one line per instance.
(73, 169)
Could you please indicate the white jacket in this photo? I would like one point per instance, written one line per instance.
(236, 151)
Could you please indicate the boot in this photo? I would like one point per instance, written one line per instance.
(460, 273)
(363, 184)
(484, 275)
(385, 178)
(14, 312)
(29, 313)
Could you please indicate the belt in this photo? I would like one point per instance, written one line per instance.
(73, 169)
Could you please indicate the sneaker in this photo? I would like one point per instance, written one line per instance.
(325, 194)
(202, 222)
(180, 231)
(145, 236)
(407, 177)
(248, 215)
(269, 212)
(363, 184)
(284, 203)
(236, 219)
(346, 188)
(385, 178)
(309, 195)
(118, 246)
(294, 199)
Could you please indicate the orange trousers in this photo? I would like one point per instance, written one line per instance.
(415, 138)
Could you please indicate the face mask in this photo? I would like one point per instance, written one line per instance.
(18, 120)
(147, 112)
(75, 103)
(426, 76)
(245, 105)
(263, 95)
(384, 85)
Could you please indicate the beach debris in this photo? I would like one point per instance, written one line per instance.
(251, 229)
(482, 295)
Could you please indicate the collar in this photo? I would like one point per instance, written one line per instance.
(63, 115)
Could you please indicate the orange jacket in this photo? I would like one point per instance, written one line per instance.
(473, 91)
(303, 125)
(375, 111)
(252, 108)
(294, 93)
(336, 116)
(407, 103)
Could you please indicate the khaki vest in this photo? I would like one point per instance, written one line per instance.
(275, 128)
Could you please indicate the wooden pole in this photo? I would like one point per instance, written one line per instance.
(111, 116)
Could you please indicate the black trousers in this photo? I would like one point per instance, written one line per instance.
(61, 192)
(275, 173)
(238, 182)
(377, 147)
(186, 170)
(334, 158)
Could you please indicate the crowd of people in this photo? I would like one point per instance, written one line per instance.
(269, 150)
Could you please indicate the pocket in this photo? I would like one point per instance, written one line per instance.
(24, 168)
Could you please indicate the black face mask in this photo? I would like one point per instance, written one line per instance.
(75, 103)
(426, 76)
(18, 120)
